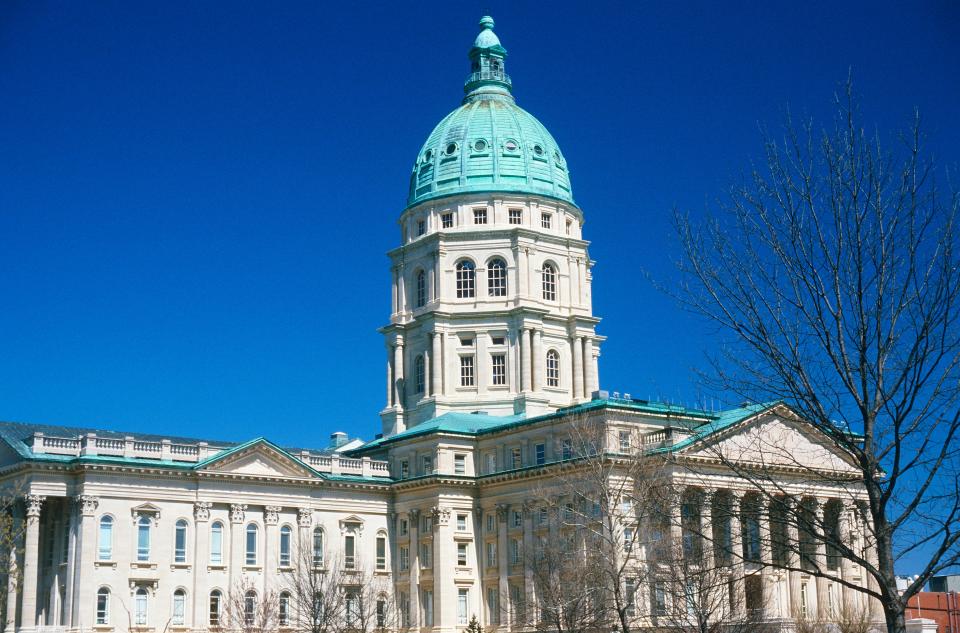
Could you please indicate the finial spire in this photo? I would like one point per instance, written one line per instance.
(487, 76)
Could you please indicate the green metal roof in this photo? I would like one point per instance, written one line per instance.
(489, 143)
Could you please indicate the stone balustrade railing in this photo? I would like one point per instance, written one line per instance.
(129, 447)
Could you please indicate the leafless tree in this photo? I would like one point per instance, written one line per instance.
(11, 551)
(833, 271)
(245, 609)
(847, 620)
(315, 590)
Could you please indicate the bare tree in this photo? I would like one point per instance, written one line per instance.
(833, 270)
(847, 620)
(11, 551)
(247, 610)
(315, 590)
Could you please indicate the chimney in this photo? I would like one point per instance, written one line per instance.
(338, 439)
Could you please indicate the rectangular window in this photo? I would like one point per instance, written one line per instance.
(466, 341)
(105, 549)
(381, 553)
(404, 605)
(516, 216)
(461, 523)
(517, 518)
(466, 371)
(498, 340)
(462, 554)
(566, 448)
(285, 534)
(404, 469)
(514, 551)
(459, 464)
(659, 598)
(349, 551)
(381, 613)
(427, 523)
(499, 368)
(541, 454)
(515, 457)
(103, 606)
(516, 599)
(404, 558)
(426, 462)
(143, 539)
(491, 555)
(216, 543)
(493, 610)
(569, 226)
(491, 463)
(631, 591)
(421, 227)
(479, 216)
(425, 550)
(462, 602)
(491, 523)
(545, 220)
(404, 527)
(446, 220)
(179, 604)
(624, 437)
(542, 516)
(428, 607)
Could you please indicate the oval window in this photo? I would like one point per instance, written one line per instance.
(538, 150)
(480, 145)
(428, 156)
(510, 146)
(451, 149)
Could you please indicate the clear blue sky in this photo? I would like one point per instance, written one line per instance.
(196, 197)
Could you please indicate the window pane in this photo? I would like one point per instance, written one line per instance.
(251, 558)
(216, 543)
(143, 539)
(285, 546)
(105, 545)
(180, 542)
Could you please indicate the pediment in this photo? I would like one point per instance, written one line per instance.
(258, 459)
(776, 439)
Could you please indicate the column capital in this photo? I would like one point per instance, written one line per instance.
(237, 512)
(304, 517)
(33, 504)
(201, 510)
(441, 516)
(503, 510)
(271, 514)
(87, 504)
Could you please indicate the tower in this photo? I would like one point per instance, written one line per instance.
(491, 306)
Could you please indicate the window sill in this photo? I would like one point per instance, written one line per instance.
(216, 567)
(180, 566)
(102, 627)
(252, 568)
(105, 563)
(142, 564)
(381, 572)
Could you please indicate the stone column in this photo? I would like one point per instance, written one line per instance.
(503, 563)
(590, 375)
(736, 544)
(70, 583)
(389, 377)
(538, 359)
(820, 560)
(13, 565)
(201, 558)
(793, 554)
(530, 595)
(304, 535)
(437, 359)
(444, 590)
(525, 370)
(237, 514)
(31, 552)
(271, 545)
(578, 376)
(706, 528)
(398, 376)
(401, 293)
(413, 527)
(767, 581)
(87, 532)
(846, 565)
(427, 373)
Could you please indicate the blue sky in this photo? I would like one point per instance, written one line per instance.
(196, 197)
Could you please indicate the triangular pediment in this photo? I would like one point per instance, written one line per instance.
(778, 439)
(259, 458)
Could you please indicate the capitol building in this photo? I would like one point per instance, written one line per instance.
(491, 376)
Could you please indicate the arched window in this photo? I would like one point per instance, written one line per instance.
(215, 600)
(105, 541)
(553, 368)
(285, 546)
(249, 607)
(103, 606)
(252, 531)
(179, 607)
(143, 539)
(216, 543)
(180, 542)
(466, 279)
(549, 282)
(318, 546)
(497, 278)
(419, 374)
(140, 607)
(421, 289)
(284, 615)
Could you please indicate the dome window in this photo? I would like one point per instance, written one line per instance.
(480, 145)
(538, 150)
(451, 149)
(428, 156)
(511, 146)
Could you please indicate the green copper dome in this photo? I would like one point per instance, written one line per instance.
(489, 143)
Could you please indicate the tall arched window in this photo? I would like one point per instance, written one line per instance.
(466, 280)
(180, 542)
(285, 546)
(216, 543)
(421, 289)
(549, 282)
(553, 368)
(420, 374)
(105, 540)
(318, 546)
(251, 558)
(284, 614)
(179, 607)
(143, 539)
(497, 278)
(103, 606)
(215, 603)
(140, 607)
(250, 607)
